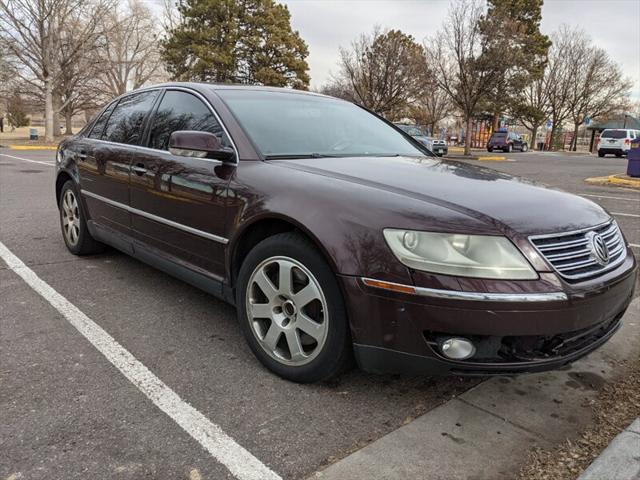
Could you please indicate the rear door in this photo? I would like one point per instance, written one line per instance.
(105, 168)
(613, 139)
(178, 203)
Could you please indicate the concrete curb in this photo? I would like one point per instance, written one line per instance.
(488, 431)
(33, 147)
(620, 460)
(618, 180)
(488, 158)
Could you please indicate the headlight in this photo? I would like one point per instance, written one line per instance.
(480, 256)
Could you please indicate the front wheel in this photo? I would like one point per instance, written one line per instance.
(600, 154)
(489, 149)
(509, 148)
(525, 147)
(291, 310)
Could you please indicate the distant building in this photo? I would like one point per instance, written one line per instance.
(621, 121)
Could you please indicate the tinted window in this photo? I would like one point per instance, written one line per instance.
(614, 134)
(126, 121)
(98, 127)
(283, 124)
(182, 111)
(499, 135)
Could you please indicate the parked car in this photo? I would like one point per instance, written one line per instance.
(438, 146)
(336, 236)
(416, 132)
(616, 141)
(507, 142)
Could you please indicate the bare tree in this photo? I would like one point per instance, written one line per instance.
(531, 106)
(30, 31)
(598, 87)
(381, 71)
(433, 106)
(461, 68)
(129, 53)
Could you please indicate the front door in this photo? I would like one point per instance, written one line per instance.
(178, 203)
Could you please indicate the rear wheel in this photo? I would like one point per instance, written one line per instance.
(525, 147)
(489, 149)
(509, 148)
(291, 310)
(600, 153)
(73, 223)
(618, 155)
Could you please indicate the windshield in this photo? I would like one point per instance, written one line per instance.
(282, 124)
(614, 134)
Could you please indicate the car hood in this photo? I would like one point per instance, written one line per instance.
(502, 201)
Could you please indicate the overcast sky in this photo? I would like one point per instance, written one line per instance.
(328, 24)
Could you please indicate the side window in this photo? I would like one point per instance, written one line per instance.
(182, 111)
(126, 121)
(98, 126)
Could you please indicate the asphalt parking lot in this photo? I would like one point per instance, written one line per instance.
(66, 412)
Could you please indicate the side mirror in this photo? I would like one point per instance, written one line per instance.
(189, 143)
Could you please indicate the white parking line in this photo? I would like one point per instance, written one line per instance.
(49, 164)
(625, 214)
(612, 198)
(242, 464)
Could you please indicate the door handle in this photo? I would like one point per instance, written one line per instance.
(139, 169)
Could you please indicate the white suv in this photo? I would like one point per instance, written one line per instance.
(616, 141)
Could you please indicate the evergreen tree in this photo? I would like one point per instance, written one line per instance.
(236, 41)
(516, 45)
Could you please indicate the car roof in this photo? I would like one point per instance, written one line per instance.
(199, 86)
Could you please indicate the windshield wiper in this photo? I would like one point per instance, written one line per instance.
(287, 156)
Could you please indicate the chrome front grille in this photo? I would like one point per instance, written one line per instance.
(573, 255)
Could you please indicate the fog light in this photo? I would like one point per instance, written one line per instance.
(457, 348)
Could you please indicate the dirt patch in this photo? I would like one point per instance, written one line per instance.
(615, 408)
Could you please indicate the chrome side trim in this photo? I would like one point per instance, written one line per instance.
(155, 218)
(480, 296)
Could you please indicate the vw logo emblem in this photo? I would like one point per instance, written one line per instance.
(599, 248)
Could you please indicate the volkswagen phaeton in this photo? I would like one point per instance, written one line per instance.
(339, 237)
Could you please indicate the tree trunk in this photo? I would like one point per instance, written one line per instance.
(496, 121)
(552, 137)
(57, 101)
(534, 134)
(67, 121)
(467, 137)
(48, 110)
(574, 141)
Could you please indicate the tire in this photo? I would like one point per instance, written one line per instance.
(600, 154)
(277, 331)
(524, 148)
(489, 149)
(509, 148)
(73, 223)
(618, 155)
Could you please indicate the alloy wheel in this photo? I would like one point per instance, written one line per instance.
(287, 310)
(70, 218)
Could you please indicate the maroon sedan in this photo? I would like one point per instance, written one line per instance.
(336, 235)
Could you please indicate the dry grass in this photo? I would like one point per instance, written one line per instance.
(616, 407)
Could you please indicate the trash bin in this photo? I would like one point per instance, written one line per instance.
(541, 146)
(33, 134)
(633, 159)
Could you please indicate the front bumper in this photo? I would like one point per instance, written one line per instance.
(397, 332)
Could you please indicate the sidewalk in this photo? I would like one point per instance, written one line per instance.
(620, 460)
(489, 431)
